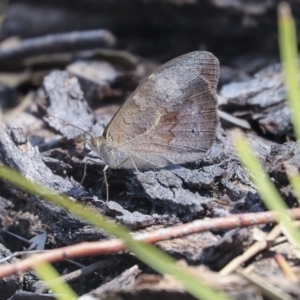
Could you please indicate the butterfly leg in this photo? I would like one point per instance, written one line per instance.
(84, 171)
(105, 177)
(134, 165)
(106, 182)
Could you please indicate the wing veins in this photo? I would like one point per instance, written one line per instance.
(168, 146)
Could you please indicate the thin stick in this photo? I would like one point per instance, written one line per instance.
(285, 267)
(267, 289)
(117, 245)
(41, 286)
(57, 43)
(251, 251)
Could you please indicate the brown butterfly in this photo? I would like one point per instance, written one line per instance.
(170, 118)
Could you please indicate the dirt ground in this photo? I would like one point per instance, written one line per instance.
(79, 60)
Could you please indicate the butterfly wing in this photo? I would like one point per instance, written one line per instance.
(171, 117)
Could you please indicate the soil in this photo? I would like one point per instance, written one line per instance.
(79, 60)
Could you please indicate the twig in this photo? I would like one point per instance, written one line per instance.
(40, 286)
(285, 267)
(251, 251)
(117, 245)
(270, 239)
(267, 289)
(28, 252)
(56, 43)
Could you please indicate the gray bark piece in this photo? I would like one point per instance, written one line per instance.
(56, 43)
(132, 220)
(261, 100)
(19, 155)
(255, 92)
(23, 295)
(279, 159)
(191, 248)
(188, 193)
(276, 120)
(174, 198)
(205, 177)
(9, 285)
(125, 281)
(95, 78)
(66, 101)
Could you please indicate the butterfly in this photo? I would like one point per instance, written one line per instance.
(171, 118)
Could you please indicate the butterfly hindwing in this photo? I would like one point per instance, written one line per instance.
(171, 117)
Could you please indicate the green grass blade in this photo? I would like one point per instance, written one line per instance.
(289, 59)
(61, 290)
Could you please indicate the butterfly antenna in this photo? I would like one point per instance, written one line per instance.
(69, 124)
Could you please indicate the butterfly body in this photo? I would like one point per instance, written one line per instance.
(171, 118)
(110, 154)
